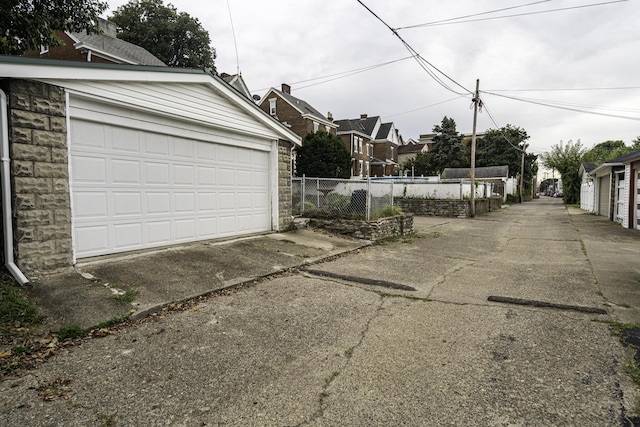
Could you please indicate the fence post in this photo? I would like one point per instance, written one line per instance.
(317, 193)
(391, 193)
(368, 198)
(302, 191)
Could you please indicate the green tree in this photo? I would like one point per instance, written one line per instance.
(448, 151)
(420, 164)
(174, 37)
(29, 24)
(323, 155)
(503, 147)
(604, 151)
(566, 159)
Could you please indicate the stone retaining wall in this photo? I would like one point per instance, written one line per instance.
(369, 230)
(447, 208)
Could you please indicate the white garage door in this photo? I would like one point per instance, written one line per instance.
(135, 189)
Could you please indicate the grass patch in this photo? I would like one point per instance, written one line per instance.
(113, 321)
(105, 420)
(15, 307)
(70, 332)
(126, 298)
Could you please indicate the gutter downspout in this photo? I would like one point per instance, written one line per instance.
(6, 193)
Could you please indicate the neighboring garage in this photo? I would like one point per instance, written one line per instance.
(110, 158)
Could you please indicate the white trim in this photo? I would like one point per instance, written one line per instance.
(58, 74)
(91, 50)
(274, 196)
(67, 98)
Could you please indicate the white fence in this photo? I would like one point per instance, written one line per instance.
(587, 197)
(443, 190)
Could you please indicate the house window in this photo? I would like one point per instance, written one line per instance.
(316, 126)
(354, 145)
(272, 107)
(366, 167)
(44, 48)
(361, 168)
(368, 149)
(328, 129)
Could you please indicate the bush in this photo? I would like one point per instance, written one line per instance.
(308, 207)
(337, 202)
(386, 212)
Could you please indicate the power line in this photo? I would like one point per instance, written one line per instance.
(470, 16)
(566, 89)
(426, 106)
(424, 64)
(432, 24)
(547, 104)
(342, 74)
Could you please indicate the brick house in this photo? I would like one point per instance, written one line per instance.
(105, 48)
(297, 114)
(101, 159)
(373, 145)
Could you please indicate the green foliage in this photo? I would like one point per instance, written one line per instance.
(308, 207)
(176, 38)
(609, 150)
(421, 165)
(15, 307)
(567, 159)
(386, 211)
(448, 151)
(28, 24)
(501, 147)
(127, 297)
(337, 202)
(70, 332)
(323, 155)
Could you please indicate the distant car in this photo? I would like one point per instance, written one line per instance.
(558, 194)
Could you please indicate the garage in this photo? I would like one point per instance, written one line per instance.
(109, 159)
(135, 189)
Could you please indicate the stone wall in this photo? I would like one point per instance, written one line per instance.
(285, 220)
(446, 208)
(369, 230)
(40, 177)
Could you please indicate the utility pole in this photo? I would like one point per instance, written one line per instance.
(524, 151)
(476, 101)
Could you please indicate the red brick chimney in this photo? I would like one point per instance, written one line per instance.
(330, 116)
(286, 88)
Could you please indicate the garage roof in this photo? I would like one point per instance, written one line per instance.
(68, 73)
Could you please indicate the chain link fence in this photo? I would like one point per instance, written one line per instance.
(342, 198)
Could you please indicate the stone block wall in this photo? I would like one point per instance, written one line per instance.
(40, 177)
(447, 208)
(285, 220)
(369, 230)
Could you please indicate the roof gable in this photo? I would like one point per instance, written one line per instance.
(303, 107)
(115, 49)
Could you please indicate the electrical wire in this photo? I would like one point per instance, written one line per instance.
(470, 16)
(561, 107)
(431, 24)
(426, 106)
(429, 68)
(499, 129)
(233, 31)
(566, 89)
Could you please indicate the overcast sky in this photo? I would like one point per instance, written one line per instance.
(583, 52)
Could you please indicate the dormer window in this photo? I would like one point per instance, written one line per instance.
(272, 106)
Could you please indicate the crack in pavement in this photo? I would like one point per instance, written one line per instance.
(349, 354)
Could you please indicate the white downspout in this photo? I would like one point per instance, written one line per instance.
(6, 193)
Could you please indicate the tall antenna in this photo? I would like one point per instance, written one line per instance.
(233, 31)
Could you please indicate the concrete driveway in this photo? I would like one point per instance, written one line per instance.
(337, 343)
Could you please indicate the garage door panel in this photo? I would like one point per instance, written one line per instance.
(127, 236)
(127, 204)
(184, 175)
(159, 232)
(158, 203)
(157, 173)
(185, 229)
(206, 202)
(185, 203)
(90, 204)
(92, 170)
(92, 240)
(207, 228)
(124, 140)
(125, 172)
(135, 189)
(183, 148)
